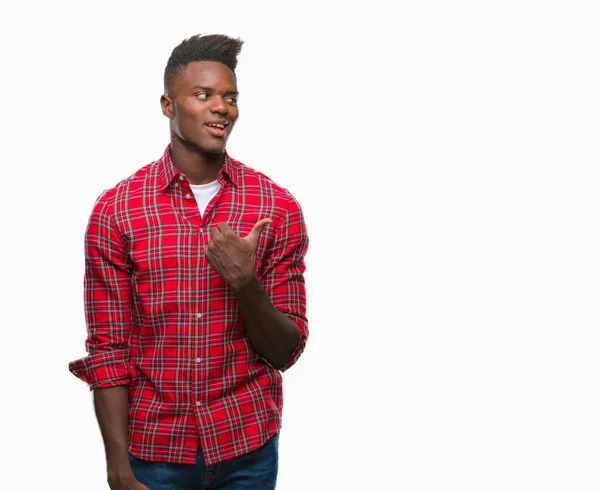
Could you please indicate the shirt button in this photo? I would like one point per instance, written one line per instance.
(180, 177)
(188, 196)
(198, 360)
(199, 315)
(198, 404)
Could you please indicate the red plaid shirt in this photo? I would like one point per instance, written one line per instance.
(162, 321)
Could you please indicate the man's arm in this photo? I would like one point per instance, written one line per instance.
(108, 319)
(274, 311)
(273, 335)
(112, 406)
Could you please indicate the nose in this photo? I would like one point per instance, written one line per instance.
(218, 105)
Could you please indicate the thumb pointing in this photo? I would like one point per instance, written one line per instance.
(257, 229)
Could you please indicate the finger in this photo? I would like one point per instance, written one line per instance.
(224, 228)
(209, 250)
(260, 225)
(257, 229)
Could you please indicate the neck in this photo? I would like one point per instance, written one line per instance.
(198, 167)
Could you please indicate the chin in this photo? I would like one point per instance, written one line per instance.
(210, 148)
(216, 150)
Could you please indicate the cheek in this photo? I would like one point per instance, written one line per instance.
(233, 120)
(188, 113)
(188, 122)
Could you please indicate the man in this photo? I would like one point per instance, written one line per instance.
(194, 297)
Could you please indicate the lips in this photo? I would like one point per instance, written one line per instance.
(217, 128)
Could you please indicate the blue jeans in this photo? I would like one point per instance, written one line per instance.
(255, 470)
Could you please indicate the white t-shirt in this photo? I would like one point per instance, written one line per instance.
(204, 193)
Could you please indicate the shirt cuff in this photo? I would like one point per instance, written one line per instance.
(303, 328)
(104, 369)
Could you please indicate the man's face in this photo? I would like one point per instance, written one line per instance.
(202, 105)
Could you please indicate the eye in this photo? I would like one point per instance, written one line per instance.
(202, 96)
(231, 101)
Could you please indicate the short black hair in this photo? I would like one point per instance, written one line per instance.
(210, 47)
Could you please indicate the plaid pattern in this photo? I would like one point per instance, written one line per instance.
(162, 321)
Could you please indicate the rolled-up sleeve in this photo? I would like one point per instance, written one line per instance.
(283, 278)
(107, 302)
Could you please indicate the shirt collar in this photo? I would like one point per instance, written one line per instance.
(167, 172)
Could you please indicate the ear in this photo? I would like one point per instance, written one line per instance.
(167, 106)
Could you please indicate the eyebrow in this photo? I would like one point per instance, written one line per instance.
(211, 89)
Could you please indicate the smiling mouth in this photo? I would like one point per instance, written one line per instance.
(217, 129)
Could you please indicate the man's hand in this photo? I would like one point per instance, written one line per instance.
(129, 483)
(232, 256)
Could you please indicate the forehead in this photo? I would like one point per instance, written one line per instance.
(209, 74)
